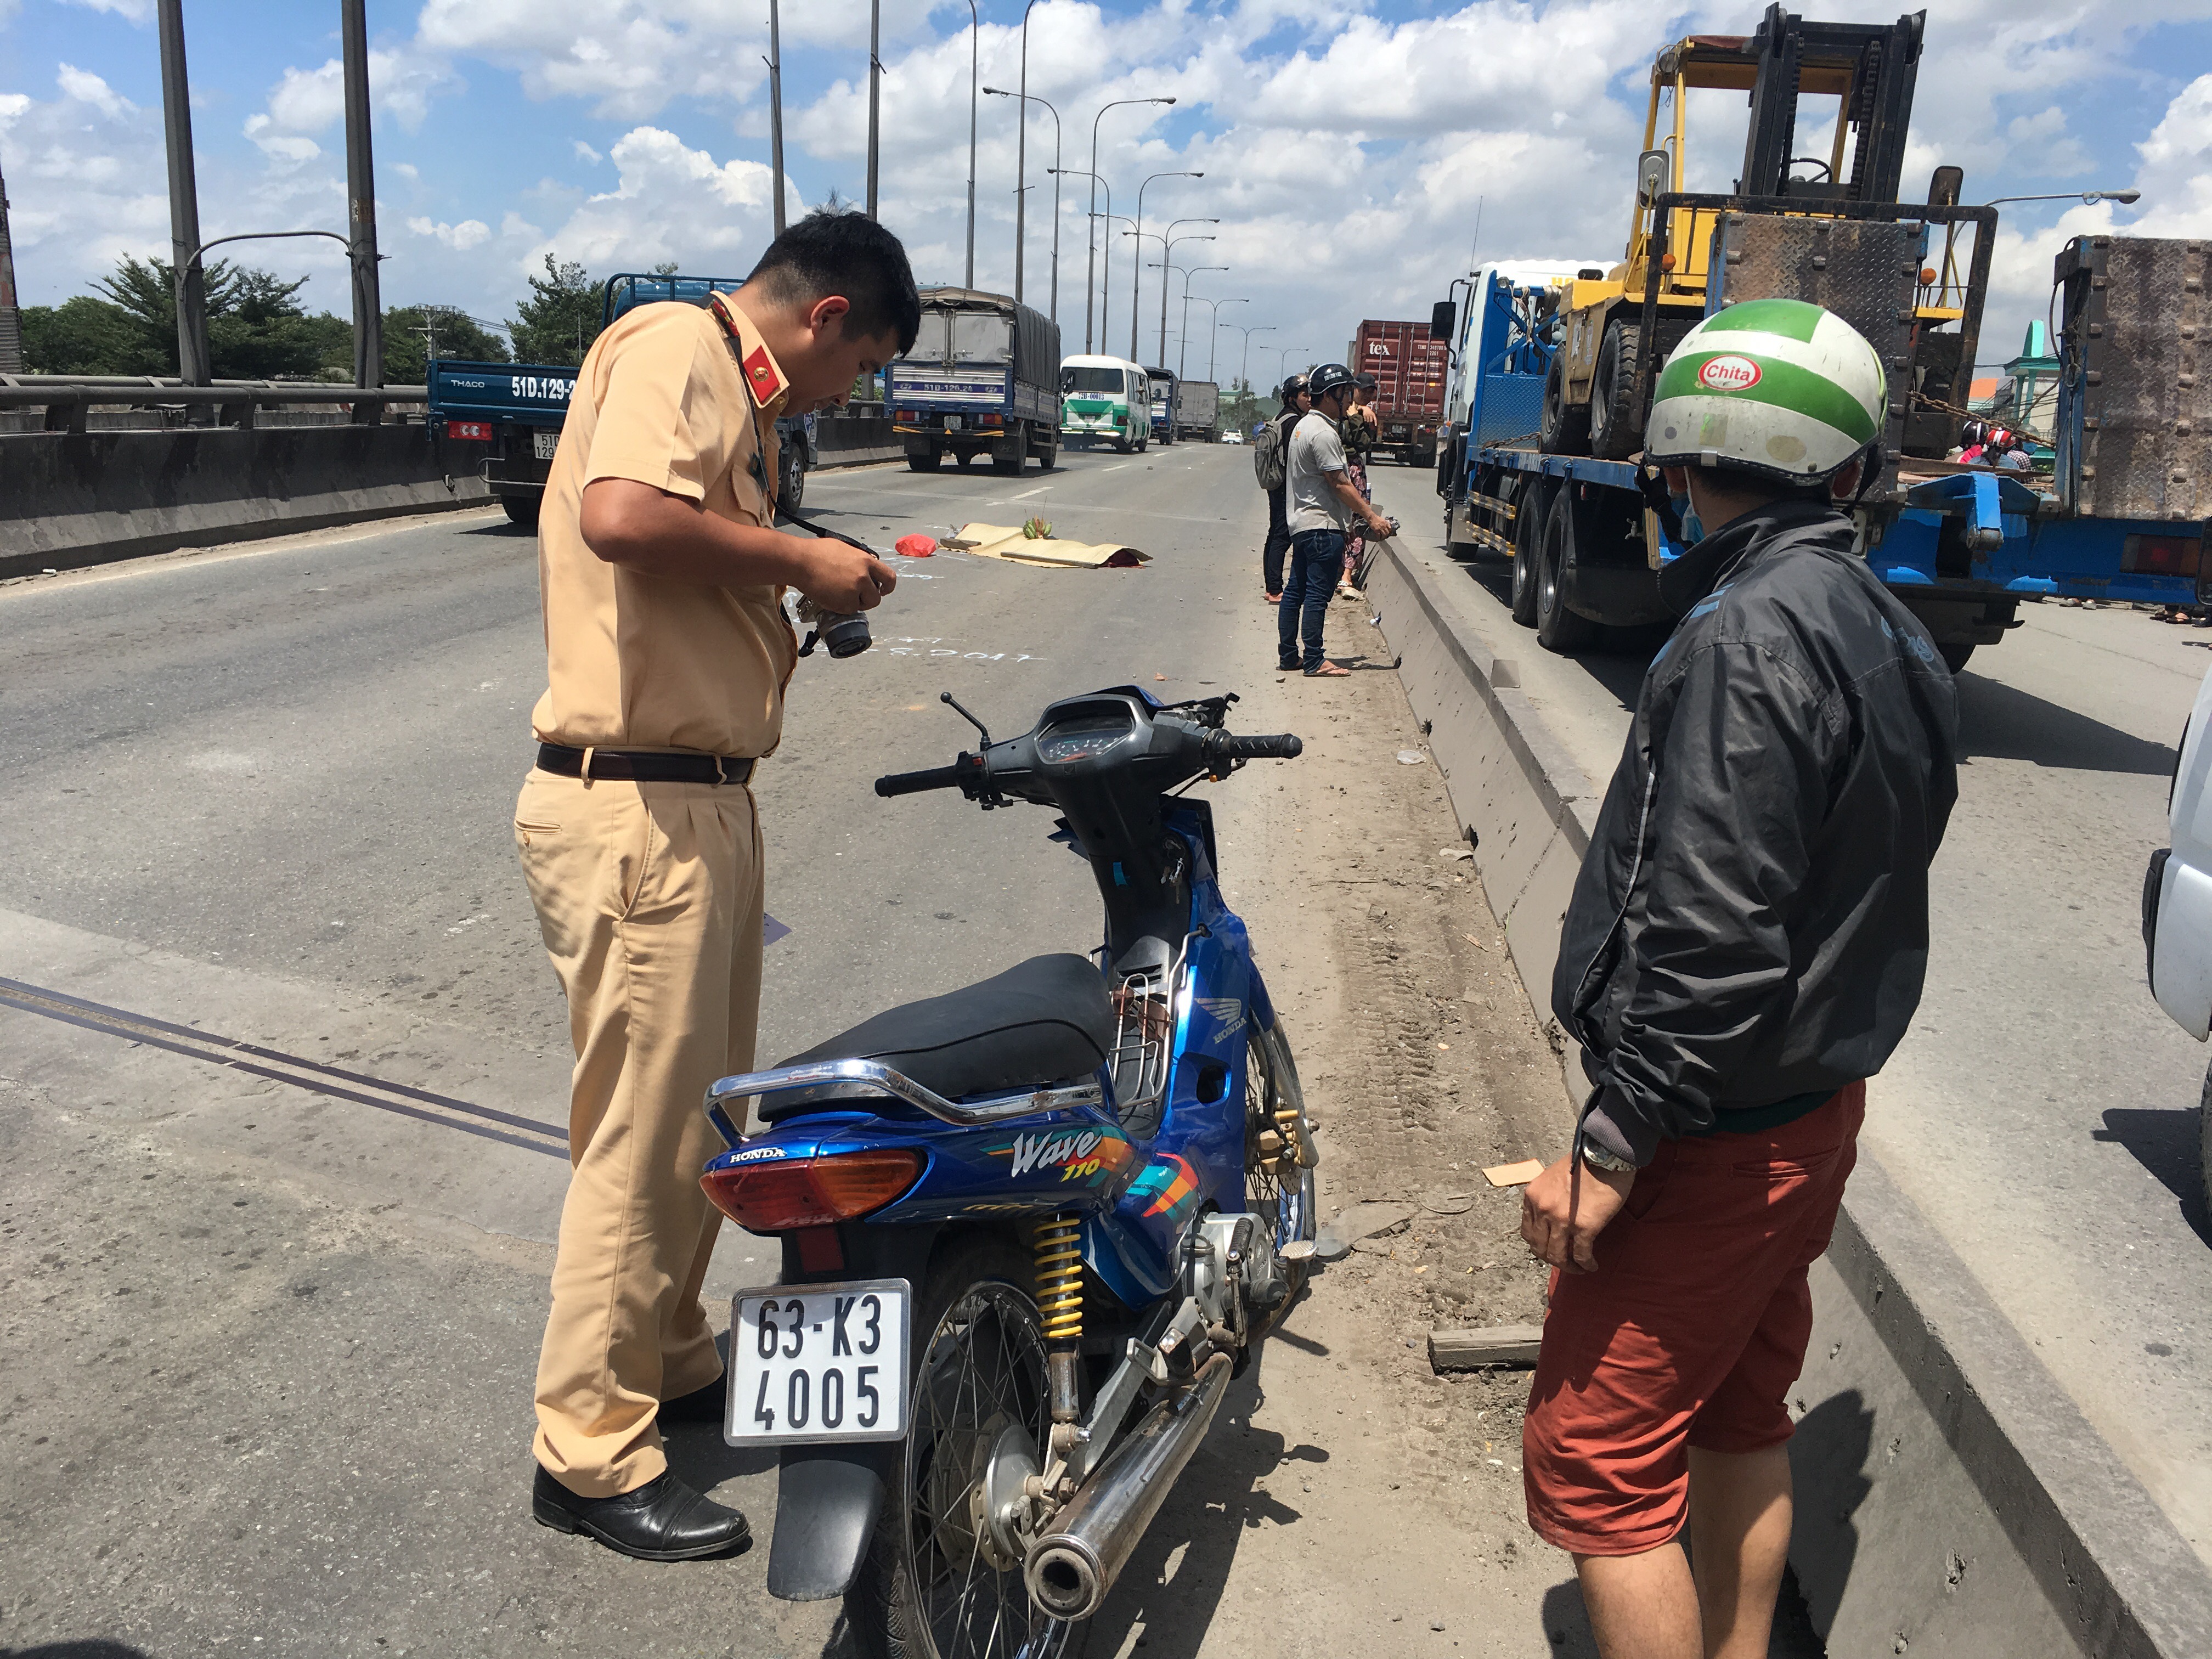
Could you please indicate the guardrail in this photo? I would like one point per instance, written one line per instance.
(67, 400)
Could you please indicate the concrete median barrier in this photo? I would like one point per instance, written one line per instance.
(1951, 1498)
(76, 499)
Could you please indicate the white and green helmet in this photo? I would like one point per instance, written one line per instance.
(1777, 387)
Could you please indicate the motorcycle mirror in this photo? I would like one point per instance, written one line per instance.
(946, 697)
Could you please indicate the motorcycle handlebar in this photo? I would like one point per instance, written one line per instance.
(1282, 746)
(913, 783)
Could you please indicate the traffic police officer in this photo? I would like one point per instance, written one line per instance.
(667, 653)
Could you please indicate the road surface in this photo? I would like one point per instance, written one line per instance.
(271, 1312)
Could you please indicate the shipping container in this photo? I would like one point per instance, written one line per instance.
(1410, 370)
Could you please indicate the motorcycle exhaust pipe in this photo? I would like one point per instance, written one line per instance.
(1072, 1569)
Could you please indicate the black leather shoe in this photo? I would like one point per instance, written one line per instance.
(664, 1520)
(708, 1405)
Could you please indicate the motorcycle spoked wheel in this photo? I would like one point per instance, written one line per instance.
(1285, 1201)
(929, 1589)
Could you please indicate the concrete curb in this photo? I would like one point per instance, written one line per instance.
(1949, 1493)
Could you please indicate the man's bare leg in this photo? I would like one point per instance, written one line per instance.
(1642, 1607)
(1740, 1515)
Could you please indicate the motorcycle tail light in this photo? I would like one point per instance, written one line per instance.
(814, 1191)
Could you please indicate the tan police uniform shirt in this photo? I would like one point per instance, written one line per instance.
(636, 661)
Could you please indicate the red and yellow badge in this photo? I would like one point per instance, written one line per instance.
(763, 377)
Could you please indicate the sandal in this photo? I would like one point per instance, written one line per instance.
(1328, 670)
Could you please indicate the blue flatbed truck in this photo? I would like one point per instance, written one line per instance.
(502, 421)
(1556, 375)
(982, 378)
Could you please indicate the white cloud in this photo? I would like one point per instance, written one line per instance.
(460, 238)
(138, 11)
(672, 201)
(88, 88)
(408, 171)
(585, 152)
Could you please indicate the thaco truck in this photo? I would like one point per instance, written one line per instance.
(1559, 372)
(981, 379)
(1410, 368)
(1165, 388)
(502, 421)
(1197, 410)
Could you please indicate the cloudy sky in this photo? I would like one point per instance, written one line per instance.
(1348, 146)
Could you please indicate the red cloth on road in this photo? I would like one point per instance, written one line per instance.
(1689, 1333)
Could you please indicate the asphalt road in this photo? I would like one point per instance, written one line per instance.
(271, 1312)
(2042, 1111)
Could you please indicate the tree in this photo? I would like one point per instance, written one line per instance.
(456, 334)
(256, 330)
(82, 336)
(560, 320)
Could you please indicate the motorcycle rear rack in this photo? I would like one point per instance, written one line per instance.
(882, 1079)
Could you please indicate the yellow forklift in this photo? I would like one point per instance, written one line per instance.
(1827, 228)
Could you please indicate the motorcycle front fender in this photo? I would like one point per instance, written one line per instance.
(828, 1500)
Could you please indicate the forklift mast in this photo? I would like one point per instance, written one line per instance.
(1870, 67)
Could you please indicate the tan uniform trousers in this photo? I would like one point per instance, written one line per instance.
(648, 897)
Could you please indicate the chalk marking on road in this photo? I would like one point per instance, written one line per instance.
(226, 1052)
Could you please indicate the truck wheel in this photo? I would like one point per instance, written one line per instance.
(1049, 453)
(791, 489)
(1528, 548)
(1564, 428)
(925, 460)
(1558, 629)
(1955, 656)
(1616, 425)
(521, 510)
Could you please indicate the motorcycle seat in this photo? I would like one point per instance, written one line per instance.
(1048, 1021)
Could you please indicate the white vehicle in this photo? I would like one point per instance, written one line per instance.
(2178, 902)
(1232, 436)
(1107, 397)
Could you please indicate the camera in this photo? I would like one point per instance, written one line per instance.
(842, 634)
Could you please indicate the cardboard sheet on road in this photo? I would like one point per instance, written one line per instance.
(995, 541)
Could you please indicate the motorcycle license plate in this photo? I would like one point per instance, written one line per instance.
(818, 1363)
(543, 443)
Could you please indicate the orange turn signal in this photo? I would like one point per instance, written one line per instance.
(1927, 276)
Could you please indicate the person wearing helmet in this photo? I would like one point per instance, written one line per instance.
(1744, 947)
(1270, 459)
(1323, 502)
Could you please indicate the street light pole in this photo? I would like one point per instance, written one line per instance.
(1213, 333)
(1245, 372)
(776, 108)
(2087, 198)
(1137, 263)
(1282, 359)
(974, 64)
(875, 75)
(1106, 268)
(361, 193)
(1183, 347)
(1090, 258)
(1022, 156)
(1167, 253)
(1021, 194)
(192, 364)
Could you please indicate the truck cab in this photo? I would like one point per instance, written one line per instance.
(1165, 387)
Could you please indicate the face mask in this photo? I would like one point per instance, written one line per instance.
(1694, 527)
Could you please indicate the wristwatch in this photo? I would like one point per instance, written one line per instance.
(1598, 1157)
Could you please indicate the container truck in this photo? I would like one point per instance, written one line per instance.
(502, 421)
(1559, 370)
(980, 380)
(1409, 367)
(1198, 409)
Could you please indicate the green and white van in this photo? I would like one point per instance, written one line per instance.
(1107, 397)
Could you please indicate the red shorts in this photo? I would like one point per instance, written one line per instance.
(1689, 1333)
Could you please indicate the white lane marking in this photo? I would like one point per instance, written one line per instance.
(1117, 466)
(1026, 494)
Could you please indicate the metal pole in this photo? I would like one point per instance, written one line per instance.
(1183, 349)
(1090, 258)
(1022, 154)
(776, 108)
(361, 202)
(193, 367)
(1055, 216)
(975, 48)
(875, 73)
(1214, 334)
(1167, 255)
(11, 330)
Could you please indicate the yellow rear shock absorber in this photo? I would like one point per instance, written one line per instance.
(1059, 1256)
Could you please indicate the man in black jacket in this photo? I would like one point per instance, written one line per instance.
(1745, 947)
(1295, 405)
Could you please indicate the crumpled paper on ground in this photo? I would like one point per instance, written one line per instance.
(993, 541)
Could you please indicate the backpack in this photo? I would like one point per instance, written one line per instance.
(1269, 463)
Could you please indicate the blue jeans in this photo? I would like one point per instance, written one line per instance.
(1316, 562)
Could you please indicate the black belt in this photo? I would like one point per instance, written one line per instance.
(643, 767)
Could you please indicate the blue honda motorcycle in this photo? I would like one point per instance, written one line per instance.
(1030, 1228)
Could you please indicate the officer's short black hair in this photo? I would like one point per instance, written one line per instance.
(834, 251)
